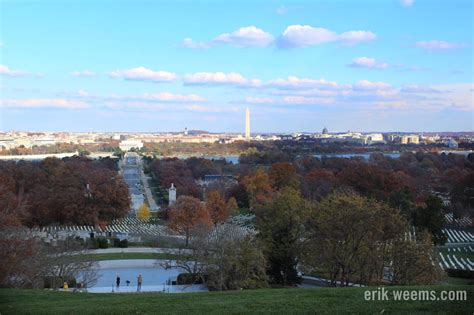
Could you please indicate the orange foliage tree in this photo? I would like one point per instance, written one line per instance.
(283, 175)
(216, 206)
(258, 187)
(186, 214)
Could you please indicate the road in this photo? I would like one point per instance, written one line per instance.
(149, 195)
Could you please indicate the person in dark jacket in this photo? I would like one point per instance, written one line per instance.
(117, 281)
(139, 282)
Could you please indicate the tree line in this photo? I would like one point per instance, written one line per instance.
(69, 191)
(350, 220)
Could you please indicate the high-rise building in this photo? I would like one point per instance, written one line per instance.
(247, 124)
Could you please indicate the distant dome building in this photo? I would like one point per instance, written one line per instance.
(325, 131)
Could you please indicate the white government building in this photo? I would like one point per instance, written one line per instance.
(127, 145)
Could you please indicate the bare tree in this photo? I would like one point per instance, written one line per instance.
(65, 263)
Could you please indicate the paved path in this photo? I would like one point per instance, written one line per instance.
(134, 250)
(149, 195)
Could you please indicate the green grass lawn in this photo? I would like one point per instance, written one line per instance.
(458, 281)
(115, 256)
(264, 301)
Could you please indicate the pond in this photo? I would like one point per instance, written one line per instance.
(154, 277)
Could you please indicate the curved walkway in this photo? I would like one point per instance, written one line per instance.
(136, 250)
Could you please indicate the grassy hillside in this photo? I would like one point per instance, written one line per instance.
(282, 301)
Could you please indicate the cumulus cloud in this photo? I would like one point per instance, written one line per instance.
(406, 3)
(366, 62)
(144, 74)
(433, 45)
(297, 36)
(355, 37)
(220, 78)
(170, 97)
(4, 70)
(304, 100)
(368, 85)
(83, 73)
(249, 36)
(418, 89)
(43, 103)
(259, 100)
(294, 82)
(190, 43)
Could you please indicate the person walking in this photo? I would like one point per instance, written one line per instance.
(139, 283)
(117, 281)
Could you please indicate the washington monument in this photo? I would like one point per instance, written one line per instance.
(247, 124)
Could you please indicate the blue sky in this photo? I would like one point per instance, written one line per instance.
(298, 65)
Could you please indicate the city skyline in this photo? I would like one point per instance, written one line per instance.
(149, 67)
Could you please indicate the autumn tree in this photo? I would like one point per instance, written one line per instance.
(143, 212)
(462, 195)
(317, 184)
(258, 188)
(349, 237)
(240, 194)
(187, 213)
(216, 207)
(414, 261)
(281, 226)
(224, 257)
(175, 171)
(430, 217)
(232, 206)
(236, 260)
(69, 191)
(283, 175)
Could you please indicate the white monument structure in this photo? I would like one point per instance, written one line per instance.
(247, 124)
(171, 195)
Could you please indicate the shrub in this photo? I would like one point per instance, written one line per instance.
(103, 243)
(458, 273)
(92, 243)
(116, 242)
(123, 244)
(189, 278)
(58, 282)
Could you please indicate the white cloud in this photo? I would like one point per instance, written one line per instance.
(458, 96)
(4, 70)
(43, 103)
(294, 82)
(368, 85)
(303, 100)
(259, 100)
(355, 37)
(406, 3)
(249, 36)
(83, 73)
(170, 97)
(433, 45)
(366, 62)
(144, 74)
(418, 89)
(220, 78)
(190, 43)
(296, 36)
